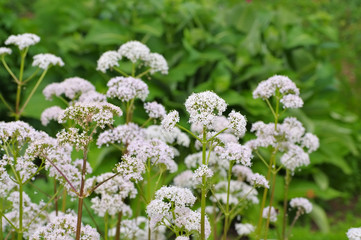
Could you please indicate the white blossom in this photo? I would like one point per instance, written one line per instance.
(23, 40)
(291, 101)
(244, 229)
(127, 88)
(5, 50)
(108, 60)
(185, 179)
(170, 120)
(154, 110)
(49, 114)
(101, 113)
(258, 180)
(235, 152)
(238, 123)
(176, 136)
(123, 134)
(63, 227)
(70, 87)
(134, 50)
(157, 63)
(267, 88)
(271, 214)
(45, 60)
(302, 204)
(311, 142)
(295, 157)
(354, 234)
(203, 170)
(204, 107)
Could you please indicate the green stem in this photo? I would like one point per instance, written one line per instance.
(1, 218)
(203, 196)
(298, 214)
(226, 221)
(21, 212)
(211, 139)
(185, 129)
(285, 201)
(32, 92)
(9, 70)
(81, 194)
(106, 221)
(63, 204)
(120, 71)
(32, 76)
(5, 103)
(143, 73)
(273, 185)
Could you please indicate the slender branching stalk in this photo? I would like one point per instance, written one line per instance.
(285, 201)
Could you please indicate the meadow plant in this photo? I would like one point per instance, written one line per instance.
(136, 200)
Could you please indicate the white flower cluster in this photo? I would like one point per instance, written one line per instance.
(63, 227)
(354, 234)
(242, 172)
(271, 214)
(74, 137)
(171, 206)
(133, 51)
(237, 122)
(174, 137)
(204, 107)
(235, 152)
(244, 229)
(286, 88)
(170, 120)
(16, 139)
(127, 88)
(51, 113)
(258, 180)
(45, 60)
(185, 179)
(108, 60)
(32, 213)
(23, 40)
(203, 170)
(123, 134)
(70, 87)
(112, 194)
(155, 110)
(302, 205)
(84, 114)
(288, 137)
(5, 50)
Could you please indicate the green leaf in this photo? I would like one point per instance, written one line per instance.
(321, 179)
(319, 216)
(107, 32)
(151, 26)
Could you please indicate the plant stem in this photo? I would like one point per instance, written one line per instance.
(226, 220)
(119, 221)
(260, 219)
(273, 185)
(81, 193)
(285, 201)
(9, 70)
(18, 91)
(33, 91)
(63, 204)
(56, 199)
(106, 226)
(1, 218)
(203, 196)
(20, 231)
(298, 214)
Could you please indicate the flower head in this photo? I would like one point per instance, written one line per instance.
(170, 120)
(155, 110)
(204, 107)
(45, 60)
(134, 50)
(127, 88)
(354, 234)
(244, 229)
(23, 40)
(271, 214)
(108, 60)
(49, 114)
(157, 63)
(5, 50)
(70, 87)
(302, 204)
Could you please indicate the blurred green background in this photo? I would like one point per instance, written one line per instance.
(229, 47)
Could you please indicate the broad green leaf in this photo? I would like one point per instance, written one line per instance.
(107, 32)
(320, 217)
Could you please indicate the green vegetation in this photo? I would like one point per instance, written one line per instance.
(229, 47)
